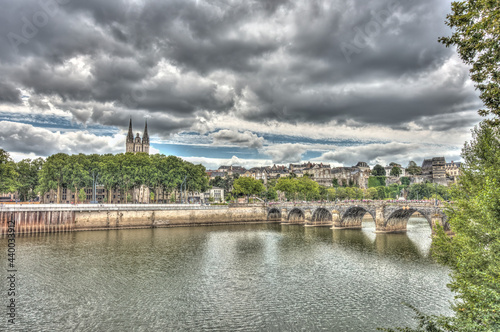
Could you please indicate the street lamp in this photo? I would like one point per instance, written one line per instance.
(94, 187)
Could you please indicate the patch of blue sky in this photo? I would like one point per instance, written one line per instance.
(270, 139)
(281, 139)
(56, 123)
(183, 150)
(311, 155)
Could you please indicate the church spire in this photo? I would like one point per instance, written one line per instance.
(130, 136)
(145, 136)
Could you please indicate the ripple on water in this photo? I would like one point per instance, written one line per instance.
(227, 278)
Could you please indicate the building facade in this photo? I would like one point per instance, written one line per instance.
(137, 144)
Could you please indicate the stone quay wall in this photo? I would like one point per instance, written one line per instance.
(48, 218)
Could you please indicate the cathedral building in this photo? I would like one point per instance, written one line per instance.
(136, 144)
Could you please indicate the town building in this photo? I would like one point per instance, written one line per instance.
(257, 173)
(452, 169)
(434, 167)
(233, 169)
(215, 195)
(137, 144)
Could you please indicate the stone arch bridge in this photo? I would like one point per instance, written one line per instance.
(389, 217)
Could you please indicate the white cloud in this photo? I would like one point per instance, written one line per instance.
(286, 153)
(214, 163)
(232, 137)
(24, 139)
(385, 153)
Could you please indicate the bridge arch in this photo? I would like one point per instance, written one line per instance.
(296, 215)
(321, 214)
(403, 215)
(399, 218)
(274, 214)
(353, 217)
(357, 212)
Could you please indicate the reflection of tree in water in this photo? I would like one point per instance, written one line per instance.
(414, 245)
(397, 245)
(352, 237)
(318, 234)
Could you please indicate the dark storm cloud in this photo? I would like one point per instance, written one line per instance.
(299, 61)
(9, 94)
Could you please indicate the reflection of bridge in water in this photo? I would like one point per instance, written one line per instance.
(388, 216)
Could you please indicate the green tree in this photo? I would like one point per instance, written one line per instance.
(476, 34)
(381, 192)
(413, 169)
(473, 253)
(376, 181)
(371, 193)
(308, 188)
(82, 195)
(8, 174)
(248, 186)
(395, 171)
(405, 181)
(218, 181)
(109, 174)
(288, 186)
(378, 170)
(28, 177)
(76, 173)
(52, 174)
(342, 193)
(271, 194)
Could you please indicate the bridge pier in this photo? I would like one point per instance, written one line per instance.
(308, 216)
(348, 223)
(395, 225)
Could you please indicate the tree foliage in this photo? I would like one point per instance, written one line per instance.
(413, 169)
(378, 170)
(124, 171)
(303, 188)
(395, 171)
(428, 190)
(8, 174)
(473, 253)
(376, 181)
(248, 186)
(476, 25)
(28, 177)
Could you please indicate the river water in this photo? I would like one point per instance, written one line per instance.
(254, 277)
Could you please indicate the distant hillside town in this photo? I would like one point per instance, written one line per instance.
(434, 170)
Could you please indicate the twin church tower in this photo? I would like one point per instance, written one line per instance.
(135, 145)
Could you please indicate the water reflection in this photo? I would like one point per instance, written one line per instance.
(227, 278)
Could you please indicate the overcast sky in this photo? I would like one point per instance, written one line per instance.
(234, 82)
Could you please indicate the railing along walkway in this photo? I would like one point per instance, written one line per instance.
(106, 207)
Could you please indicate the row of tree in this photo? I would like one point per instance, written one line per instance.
(22, 176)
(122, 171)
(304, 188)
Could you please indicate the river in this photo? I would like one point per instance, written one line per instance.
(254, 277)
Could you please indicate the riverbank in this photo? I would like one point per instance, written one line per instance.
(50, 218)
